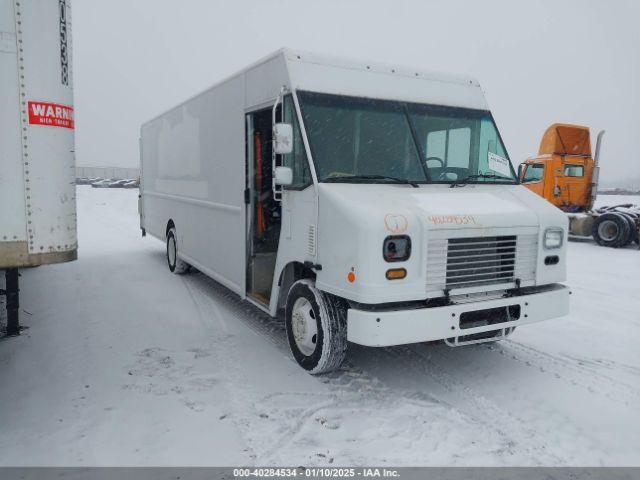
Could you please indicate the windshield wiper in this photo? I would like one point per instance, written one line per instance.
(347, 178)
(466, 179)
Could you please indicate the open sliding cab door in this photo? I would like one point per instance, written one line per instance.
(279, 231)
(263, 211)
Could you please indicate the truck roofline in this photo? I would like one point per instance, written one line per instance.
(300, 56)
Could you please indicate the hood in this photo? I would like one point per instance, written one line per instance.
(355, 219)
(441, 207)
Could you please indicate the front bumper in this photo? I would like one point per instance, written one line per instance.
(398, 327)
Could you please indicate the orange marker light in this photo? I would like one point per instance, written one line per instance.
(396, 273)
(351, 277)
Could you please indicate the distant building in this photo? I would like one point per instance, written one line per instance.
(618, 191)
(107, 172)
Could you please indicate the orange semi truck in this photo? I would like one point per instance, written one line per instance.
(566, 174)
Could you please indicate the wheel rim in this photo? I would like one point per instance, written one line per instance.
(608, 230)
(171, 250)
(304, 326)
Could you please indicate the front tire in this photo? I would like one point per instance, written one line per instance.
(316, 324)
(176, 265)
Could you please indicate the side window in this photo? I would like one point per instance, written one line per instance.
(297, 159)
(533, 173)
(573, 171)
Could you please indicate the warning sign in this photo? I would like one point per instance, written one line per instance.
(50, 114)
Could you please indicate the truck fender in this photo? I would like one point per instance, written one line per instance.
(291, 273)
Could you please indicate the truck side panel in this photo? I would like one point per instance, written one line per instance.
(193, 167)
(193, 174)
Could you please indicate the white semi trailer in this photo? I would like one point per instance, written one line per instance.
(374, 204)
(37, 164)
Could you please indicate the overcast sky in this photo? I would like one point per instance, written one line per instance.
(539, 62)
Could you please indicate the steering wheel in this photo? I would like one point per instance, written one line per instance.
(426, 160)
(447, 170)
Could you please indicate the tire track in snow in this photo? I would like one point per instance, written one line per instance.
(222, 346)
(607, 364)
(590, 379)
(462, 397)
(204, 304)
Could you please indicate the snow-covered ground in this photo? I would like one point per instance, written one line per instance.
(126, 364)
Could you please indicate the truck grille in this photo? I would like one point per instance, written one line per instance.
(478, 261)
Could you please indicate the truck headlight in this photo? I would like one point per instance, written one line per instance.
(396, 248)
(553, 238)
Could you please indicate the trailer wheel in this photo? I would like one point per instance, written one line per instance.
(611, 230)
(316, 324)
(175, 264)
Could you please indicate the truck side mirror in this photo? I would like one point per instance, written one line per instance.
(283, 176)
(283, 138)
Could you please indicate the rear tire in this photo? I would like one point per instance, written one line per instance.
(633, 230)
(611, 230)
(176, 265)
(316, 324)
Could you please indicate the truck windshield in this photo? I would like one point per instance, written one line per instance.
(378, 141)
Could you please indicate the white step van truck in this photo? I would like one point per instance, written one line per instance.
(372, 204)
(37, 159)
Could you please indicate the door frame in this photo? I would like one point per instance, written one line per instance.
(249, 199)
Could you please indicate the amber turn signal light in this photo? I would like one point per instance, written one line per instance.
(396, 273)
